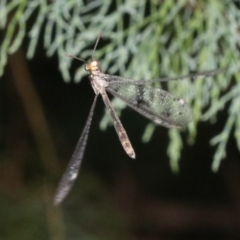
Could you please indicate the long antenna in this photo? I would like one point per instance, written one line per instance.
(71, 56)
(99, 35)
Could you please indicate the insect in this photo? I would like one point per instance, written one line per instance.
(160, 106)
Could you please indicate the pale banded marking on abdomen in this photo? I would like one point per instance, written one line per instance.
(123, 137)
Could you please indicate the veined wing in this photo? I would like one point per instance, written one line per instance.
(72, 169)
(156, 104)
(116, 79)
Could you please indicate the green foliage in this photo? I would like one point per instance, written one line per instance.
(144, 36)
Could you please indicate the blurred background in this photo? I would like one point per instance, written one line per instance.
(178, 187)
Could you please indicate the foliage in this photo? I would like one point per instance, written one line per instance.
(141, 38)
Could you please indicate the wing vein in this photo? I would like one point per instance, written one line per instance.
(73, 166)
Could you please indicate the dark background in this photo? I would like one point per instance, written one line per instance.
(114, 197)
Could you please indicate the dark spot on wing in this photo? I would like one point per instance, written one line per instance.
(139, 97)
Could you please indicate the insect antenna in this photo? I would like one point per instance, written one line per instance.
(99, 35)
(71, 56)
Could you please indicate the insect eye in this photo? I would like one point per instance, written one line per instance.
(94, 63)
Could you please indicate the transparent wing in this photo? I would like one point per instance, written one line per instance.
(120, 80)
(156, 104)
(71, 172)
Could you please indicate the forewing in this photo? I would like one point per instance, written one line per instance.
(156, 104)
(72, 169)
